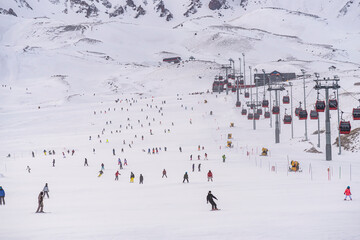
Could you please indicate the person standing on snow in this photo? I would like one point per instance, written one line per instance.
(164, 173)
(132, 176)
(86, 162)
(141, 179)
(114, 151)
(2, 196)
(28, 169)
(347, 193)
(210, 176)
(193, 167)
(223, 157)
(199, 167)
(40, 208)
(102, 166)
(53, 162)
(210, 198)
(117, 175)
(186, 177)
(46, 190)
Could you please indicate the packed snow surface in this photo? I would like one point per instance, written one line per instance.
(98, 86)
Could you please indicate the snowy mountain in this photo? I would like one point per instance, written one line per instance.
(89, 75)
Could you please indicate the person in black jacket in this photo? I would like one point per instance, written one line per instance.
(186, 177)
(210, 198)
(141, 179)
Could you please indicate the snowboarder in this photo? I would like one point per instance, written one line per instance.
(2, 196)
(210, 176)
(100, 173)
(46, 190)
(164, 173)
(117, 175)
(53, 162)
(28, 169)
(193, 167)
(186, 177)
(132, 176)
(210, 198)
(347, 193)
(223, 157)
(199, 167)
(86, 162)
(40, 208)
(141, 179)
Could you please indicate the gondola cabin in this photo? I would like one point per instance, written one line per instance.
(250, 116)
(247, 94)
(265, 103)
(303, 114)
(297, 110)
(333, 104)
(267, 114)
(238, 104)
(243, 112)
(276, 110)
(233, 89)
(320, 106)
(314, 115)
(241, 82)
(286, 99)
(259, 111)
(344, 127)
(356, 113)
(256, 116)
(287, 119)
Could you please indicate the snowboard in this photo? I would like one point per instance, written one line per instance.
(215, 209)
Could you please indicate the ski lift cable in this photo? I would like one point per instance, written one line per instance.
(349, 93)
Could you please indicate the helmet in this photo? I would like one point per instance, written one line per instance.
(209, 191)
(348, 187)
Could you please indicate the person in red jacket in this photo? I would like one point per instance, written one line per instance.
(117, 175)
(210, 176)
(347, 193)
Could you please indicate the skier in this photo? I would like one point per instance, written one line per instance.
(193, 167)
(132, 176)
(210, 198)
(28, 169)
(198, 157)
(205, 157)
(46, 190)
(180, 149)
(53, 162)
(33, 154)
(164, 173)
(199, 167)
(347, 193)
(100, 173)
(141, 179)
(114, 151)
(125, 162)
(41, 203)
(72, 152)
(117, 175)
(102, 166)
(86, 162)
(186, 177)
(223, 157)
(210, 176)
(2, 196)
(121, 166)
(44, 152)
(199, 148)
(190, 157)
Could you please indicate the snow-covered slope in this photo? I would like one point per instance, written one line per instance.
(65, 76)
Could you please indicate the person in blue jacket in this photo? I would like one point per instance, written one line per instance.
(2, 196)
